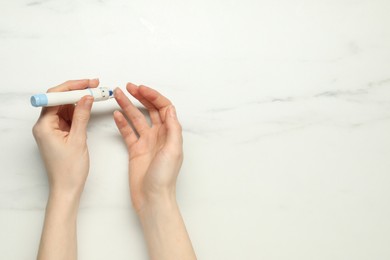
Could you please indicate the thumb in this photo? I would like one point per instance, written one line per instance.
(81, 115)
(174, 130)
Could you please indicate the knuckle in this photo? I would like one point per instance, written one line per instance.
(127, 132)
(136, 117)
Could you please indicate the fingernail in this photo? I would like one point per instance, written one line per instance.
(172, 111)
(95, 79)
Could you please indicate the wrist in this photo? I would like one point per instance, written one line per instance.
(68, 202)
(158, 206)
(164, 230)
(64, 194)
(66, 189)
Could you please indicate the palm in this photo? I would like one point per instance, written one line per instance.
(149, 144)
(145, 156)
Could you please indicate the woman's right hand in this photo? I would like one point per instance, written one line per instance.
(155, 158)
(155, 152)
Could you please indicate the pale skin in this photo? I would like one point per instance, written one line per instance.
(155, 157)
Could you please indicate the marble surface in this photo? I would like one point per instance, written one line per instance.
(285, 106)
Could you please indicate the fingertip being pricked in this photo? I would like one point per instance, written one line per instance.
(117, 92)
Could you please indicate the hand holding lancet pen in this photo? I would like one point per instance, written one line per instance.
(70, 97)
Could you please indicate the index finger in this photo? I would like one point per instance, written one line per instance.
(68, 86)
(75, 85)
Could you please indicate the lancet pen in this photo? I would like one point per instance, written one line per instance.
(70, 97)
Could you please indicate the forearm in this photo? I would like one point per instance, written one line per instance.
(165, 232)
(59, 237)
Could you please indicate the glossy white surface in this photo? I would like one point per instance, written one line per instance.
(285, 107)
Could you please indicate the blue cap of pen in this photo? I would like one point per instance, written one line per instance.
(38, 100)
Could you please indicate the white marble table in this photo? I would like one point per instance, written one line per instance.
(285, 106)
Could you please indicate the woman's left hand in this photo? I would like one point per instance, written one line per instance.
(61, 135)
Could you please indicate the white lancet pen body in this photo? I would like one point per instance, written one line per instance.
(70, 97)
